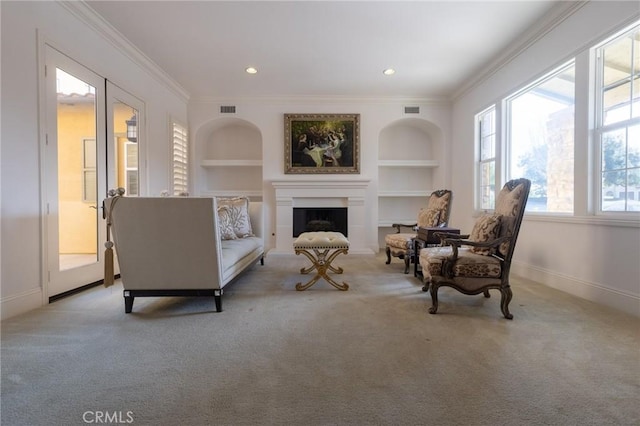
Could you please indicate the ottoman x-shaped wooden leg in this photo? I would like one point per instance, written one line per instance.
(321, 263)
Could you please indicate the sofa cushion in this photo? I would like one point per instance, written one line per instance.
(469, 264)
(238, 215)
(400, 241)
(234, 251)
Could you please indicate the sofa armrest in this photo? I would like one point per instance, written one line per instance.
(167, 243)
(256, 215)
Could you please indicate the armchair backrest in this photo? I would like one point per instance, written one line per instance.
(441, 200)
(510, 204)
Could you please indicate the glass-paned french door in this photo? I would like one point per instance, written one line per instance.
(85, 126)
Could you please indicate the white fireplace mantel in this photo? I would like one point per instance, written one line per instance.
(361, 184)
(318, 192)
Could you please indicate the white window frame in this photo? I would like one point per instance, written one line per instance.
(480, 162)
(587, 148)
(506, 131)
(600, 128)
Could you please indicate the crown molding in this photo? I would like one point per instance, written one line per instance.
(550, 21)
(321, 100)
(83, 11)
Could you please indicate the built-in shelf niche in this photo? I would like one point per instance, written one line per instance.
(409, 151)
(231, 160)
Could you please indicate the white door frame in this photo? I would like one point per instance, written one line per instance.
(56, 281)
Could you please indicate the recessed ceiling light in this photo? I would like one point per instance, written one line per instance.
(389, 71)
(251, 70)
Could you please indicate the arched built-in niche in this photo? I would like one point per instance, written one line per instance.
(409, 155)
(228, 154)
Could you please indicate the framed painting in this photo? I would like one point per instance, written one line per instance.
(321, 143)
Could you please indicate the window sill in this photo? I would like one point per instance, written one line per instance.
(600, 220)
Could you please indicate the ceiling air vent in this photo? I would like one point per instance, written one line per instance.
(228, 109)
(412, 110)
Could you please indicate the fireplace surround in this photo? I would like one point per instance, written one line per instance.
(310, 219)
(322, 194)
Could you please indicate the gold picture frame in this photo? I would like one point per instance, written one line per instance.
(321, 143)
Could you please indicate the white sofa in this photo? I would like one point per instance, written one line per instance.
(170, 246)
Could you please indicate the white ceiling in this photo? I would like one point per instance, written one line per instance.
(322, 48)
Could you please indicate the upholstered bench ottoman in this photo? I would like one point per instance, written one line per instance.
(321, 247)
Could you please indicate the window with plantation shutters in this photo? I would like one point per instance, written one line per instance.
(131, 169)
(486, 143)
(180, 163)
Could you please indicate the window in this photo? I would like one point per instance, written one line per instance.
(180, 164)
(131, 169)
(89, 184)
(486, 143)
(617, 127)
(538, 138)
(541, 140)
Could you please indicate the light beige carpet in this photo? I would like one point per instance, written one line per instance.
(369, 356)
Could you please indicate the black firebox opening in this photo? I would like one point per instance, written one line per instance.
(309, 219)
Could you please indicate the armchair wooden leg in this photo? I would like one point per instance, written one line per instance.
(434, 299)
(427, 283)
(388, 251)
(505, 300)
(407, 262)
(486, 294)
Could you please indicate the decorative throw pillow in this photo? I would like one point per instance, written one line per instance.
(225, 226)
(486, 228)
(508, 200)
(239, 215)
(428, 218)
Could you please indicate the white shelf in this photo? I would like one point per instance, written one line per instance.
(231, 163)
(406, 194)
(228, 194)
(408, 163)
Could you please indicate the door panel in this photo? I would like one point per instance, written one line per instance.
(125, 140)
(75, 174)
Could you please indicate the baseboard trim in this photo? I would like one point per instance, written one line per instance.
(597, 293)
(20, 303)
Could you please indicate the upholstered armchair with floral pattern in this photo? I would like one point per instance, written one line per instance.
(436, 214)
(480, 261)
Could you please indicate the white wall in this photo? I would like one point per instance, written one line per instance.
(375, 115)
(583, 255)
(21, 277)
